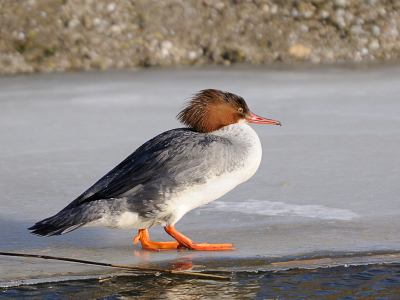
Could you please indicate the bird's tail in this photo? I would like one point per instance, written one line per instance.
(46, 228)
(65, 221)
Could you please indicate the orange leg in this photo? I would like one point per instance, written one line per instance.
(144, 238)
(188, 243)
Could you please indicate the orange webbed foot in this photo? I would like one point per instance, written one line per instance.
(188, 243)
(144, 239)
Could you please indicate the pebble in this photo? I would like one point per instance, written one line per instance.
(73, 23)
(338, 18)
(374, 45)
(341, 3)
(192, 55)
(111, 7)
(364, 51)
(376, 30)
(356, 29)
(166, 47)
(220, 5)
(308, 13)
(265, 8)
(323, 14)
(299, 51)
(304, 28)
(96, 21)
(116, 29)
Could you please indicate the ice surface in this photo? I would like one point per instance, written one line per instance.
(329, 181)
(269, 208)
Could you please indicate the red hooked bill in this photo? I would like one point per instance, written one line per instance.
(259, 120)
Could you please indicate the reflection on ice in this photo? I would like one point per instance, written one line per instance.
(269, 208)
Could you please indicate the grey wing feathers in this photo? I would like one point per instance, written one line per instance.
(129, 173)
(161, 166)
(159, 158)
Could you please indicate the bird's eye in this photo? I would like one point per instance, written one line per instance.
(240, 109)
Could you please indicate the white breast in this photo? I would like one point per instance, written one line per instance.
(244, 138)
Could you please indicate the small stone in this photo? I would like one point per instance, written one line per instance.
(339, 21)
(192, 55)
(376, 30)
(323, 14)
(349, 17)
(265, 8)
(304, 28)
(294, 13)
(363, 41)
(394, 32)
(299, 51)
(96, 21)
(374, 45)
(274, 9)
(338, 18)
(92, 54)
(220, 5)
(73, 23)
(356, 30)
(111, 7)
(360, 21)
(364, 51)
(116, 29)
(341, 3)
(166, 47)
(308, 13)
(21, 36)
(357, 56)
(340, 12)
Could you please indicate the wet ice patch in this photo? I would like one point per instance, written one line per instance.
(269, 208)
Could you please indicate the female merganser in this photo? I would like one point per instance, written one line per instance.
(171, 174)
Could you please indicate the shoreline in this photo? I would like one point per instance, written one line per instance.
(47, 36)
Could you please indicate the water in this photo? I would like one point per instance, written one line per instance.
(328, 182)
(359, 282)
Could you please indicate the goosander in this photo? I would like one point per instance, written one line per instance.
(171, 174)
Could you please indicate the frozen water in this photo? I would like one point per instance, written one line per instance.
(269, 208)
(328, 181)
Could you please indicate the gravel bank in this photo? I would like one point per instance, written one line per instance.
(49, 35)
